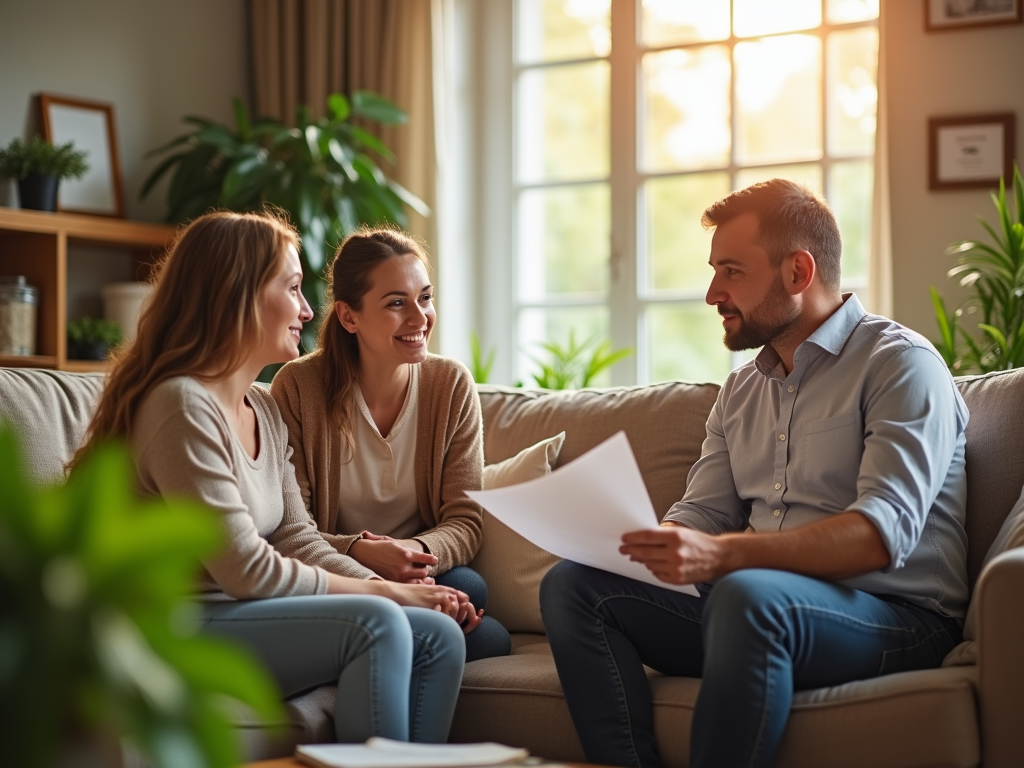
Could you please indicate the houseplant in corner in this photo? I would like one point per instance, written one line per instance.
(90, 338)
(99, 635)
(38, 166)
(321, 172)
(986, 332)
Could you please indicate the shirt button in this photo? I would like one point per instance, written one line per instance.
(782, 437)
(778, 486)
(790, 388)
(777, 512)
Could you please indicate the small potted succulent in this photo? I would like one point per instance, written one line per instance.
(38, 166)
(91, 339)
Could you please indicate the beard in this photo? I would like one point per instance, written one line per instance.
(765, 323)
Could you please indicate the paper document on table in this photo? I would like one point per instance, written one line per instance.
(386, 753)
(580, 511)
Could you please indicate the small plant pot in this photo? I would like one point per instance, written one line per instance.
(88, 350)
(38, 192)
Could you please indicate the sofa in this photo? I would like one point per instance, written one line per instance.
(967, 713)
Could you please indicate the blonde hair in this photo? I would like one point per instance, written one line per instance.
(348, 280)
(202, 316)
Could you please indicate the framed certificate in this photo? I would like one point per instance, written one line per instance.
(970, 151)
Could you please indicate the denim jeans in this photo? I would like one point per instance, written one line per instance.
(490, 638)
(754, 638)
(398, 670)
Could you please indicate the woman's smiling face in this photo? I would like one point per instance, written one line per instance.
(397, 313)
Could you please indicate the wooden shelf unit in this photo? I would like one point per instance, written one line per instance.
(35, 244)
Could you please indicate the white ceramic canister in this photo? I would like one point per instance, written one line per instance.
(122, 302)
(17, 316)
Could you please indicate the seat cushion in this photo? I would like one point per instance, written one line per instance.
(926, 718)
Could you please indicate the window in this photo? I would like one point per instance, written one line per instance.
(630, 117)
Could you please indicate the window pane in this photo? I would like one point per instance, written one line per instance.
(778, 93)
(841, 11)
(564, 241)
(685, 342)
(853, 96)
(563, 29)
(850, 194)
(677, 244)
(667, 22)
(686, 95)
(808, 174)
(757, 17)
(563, 123)
(537, 326)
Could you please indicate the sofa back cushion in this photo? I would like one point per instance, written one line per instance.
(50, 411)
(995, 457)
(665, 424)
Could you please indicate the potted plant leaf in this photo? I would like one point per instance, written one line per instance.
(38, 166)
(99, 640)
(321, 172)
(92, 338)
(576, 365)
(986, 332)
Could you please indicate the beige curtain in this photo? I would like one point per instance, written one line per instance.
(880, 290)
(303, 50)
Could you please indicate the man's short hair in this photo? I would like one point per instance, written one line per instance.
(790, 218)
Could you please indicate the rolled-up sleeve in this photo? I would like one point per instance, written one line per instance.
(913, 421)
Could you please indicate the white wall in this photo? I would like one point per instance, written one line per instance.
(930, 75)
(154, 60)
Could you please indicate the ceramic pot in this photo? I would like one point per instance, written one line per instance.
(38, 192)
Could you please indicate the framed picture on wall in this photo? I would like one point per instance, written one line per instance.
(960, 14)
(89, 125)
(970, 151)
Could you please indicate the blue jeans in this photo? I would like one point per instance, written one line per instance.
(398, 670)
(490, 638)
(754, 638)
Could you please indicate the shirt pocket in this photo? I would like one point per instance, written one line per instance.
(830, 453)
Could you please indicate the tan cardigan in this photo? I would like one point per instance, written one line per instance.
(449, 455)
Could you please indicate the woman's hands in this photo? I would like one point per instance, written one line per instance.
(445, 599)
(400, 560)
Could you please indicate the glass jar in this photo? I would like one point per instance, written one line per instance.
(17, 316)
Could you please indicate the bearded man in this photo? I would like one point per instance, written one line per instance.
(822, 525)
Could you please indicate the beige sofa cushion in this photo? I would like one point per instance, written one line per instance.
(665, 424)
(511, 565)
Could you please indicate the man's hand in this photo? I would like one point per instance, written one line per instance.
(393, 559)
(676, 555)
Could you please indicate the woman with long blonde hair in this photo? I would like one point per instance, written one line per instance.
(387, 438)
(227, 302)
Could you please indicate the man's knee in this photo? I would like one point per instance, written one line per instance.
(750, 598)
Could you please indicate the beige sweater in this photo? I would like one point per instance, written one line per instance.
(449, 455)
(184, 446)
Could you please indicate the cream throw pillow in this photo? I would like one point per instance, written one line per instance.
(511, 565)
(1010, 536)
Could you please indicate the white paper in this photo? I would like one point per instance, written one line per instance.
(580, 511)
(386, 753)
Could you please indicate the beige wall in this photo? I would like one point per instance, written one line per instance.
(935, 74)
(154, 60)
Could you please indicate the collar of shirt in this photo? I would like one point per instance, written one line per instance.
(830, 336)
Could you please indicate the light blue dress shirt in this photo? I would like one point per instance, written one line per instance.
(870, 420)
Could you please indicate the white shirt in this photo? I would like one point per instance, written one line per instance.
(378, 486)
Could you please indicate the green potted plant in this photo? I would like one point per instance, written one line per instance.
(99, 641)
(321, 172)
(575, 365)
(92, 338)
(986, 332)
(38, 166)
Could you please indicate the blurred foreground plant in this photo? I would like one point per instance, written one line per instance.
(98, 632)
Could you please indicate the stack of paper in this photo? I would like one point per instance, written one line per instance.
(385, 753)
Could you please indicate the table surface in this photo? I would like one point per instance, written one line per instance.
(291, 762)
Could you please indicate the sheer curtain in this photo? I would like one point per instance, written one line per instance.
(880, 298)
(303, 50)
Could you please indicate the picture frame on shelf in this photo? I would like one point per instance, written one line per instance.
(942, 15)
(970, 151)
(89, 125)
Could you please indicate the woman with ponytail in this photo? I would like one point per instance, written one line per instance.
(386, 437)
(226, 303)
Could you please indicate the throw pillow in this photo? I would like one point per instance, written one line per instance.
(512, 566)
(1010, 536)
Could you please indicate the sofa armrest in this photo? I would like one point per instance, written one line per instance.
(1001, 659)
